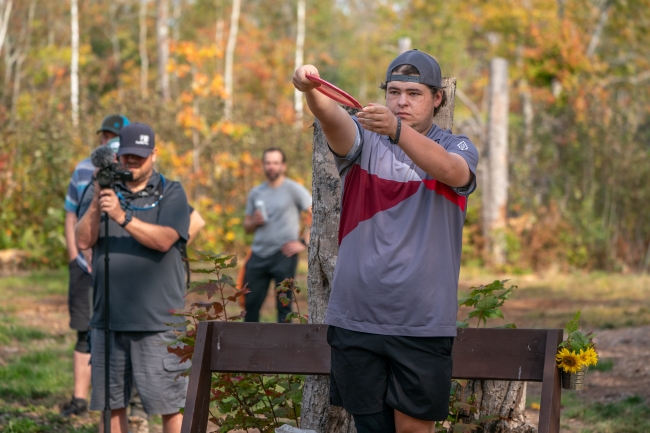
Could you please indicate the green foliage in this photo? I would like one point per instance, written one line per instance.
(576, 339)
(485, 302)
(287, 292)
(242, 400)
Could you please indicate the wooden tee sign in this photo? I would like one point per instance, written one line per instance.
(494, 354)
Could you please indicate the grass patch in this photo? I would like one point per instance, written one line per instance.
(37, 376)
(603, 365)
(607, 301)
(631, 415)
(39, 419)
(36, 284)
(10, 332)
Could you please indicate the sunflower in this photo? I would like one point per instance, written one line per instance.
(589, 357)
(569, 361)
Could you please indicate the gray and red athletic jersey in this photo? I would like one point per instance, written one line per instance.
(400, 240)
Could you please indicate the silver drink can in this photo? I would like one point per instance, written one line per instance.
(259, 205)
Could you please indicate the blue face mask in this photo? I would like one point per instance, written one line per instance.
(114, 144)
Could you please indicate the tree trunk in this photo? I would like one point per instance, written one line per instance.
(317, 414)
(323, 251)
(162, 24)
(144, 58)
(117, 54)
(74, 63)
(230, 54)
(503, 398)
(5, 14)
(300, 45)
(495, 193)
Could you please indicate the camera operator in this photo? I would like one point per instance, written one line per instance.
(148, 226)
(79, 301)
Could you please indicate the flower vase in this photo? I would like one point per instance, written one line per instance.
(574, 381)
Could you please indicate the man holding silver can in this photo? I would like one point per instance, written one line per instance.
(273, 211)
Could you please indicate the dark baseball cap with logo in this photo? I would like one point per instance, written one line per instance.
(428, 66)
(113, 123)
(137, 139)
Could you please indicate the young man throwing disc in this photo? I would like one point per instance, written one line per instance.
(392, 310)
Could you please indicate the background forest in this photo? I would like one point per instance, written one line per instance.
(215, 85)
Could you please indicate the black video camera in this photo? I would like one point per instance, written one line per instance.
(107, 176)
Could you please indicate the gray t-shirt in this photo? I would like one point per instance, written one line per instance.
(400, 239)
(283, 205)
(145, 284)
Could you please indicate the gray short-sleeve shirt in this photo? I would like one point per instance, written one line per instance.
(400, 239)
(145, 284)
(283, 205)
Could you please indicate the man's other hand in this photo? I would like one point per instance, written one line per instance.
(109, 203)
(300, 80)
(258, 218)
(378, 118)
(292, 248)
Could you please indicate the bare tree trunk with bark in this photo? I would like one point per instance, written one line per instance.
(505, 399)
(495, 192)
(230, 55)
(162, 33)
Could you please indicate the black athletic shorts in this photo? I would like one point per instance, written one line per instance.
(79, 297)
(370, 372)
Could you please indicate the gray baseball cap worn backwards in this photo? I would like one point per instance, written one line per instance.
(428, 66)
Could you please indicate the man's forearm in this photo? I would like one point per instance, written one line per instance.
(70, 240)
(448, 168)
(159, 238)
(87, 229)
(338, 127)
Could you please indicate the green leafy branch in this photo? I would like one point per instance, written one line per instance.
(486, 303)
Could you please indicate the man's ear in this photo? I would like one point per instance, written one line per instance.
(153, 153)
(437, 100)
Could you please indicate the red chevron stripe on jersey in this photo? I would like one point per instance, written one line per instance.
(365, 195)
(446, 191)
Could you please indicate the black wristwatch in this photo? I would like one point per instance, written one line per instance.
(127, 218)
(399, 129)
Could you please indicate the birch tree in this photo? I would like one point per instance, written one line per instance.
(230, 54)
(142, 45)
(5, 14)
(162, 37)
(495, 192)
(300, 46)
(74, 62)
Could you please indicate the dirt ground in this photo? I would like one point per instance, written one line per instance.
(628, 348)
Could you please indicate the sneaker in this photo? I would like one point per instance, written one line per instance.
(77, 406)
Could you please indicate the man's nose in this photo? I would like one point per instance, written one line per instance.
(403, 99)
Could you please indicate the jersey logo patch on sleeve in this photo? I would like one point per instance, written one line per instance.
(462, 145)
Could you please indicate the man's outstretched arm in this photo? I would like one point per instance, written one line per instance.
(338, 127)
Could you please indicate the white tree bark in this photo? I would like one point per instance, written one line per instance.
(162, 24)
(495, 192)
(144, 57)
(230, 54)
(74, 62)
(300, 48)
(5, 14)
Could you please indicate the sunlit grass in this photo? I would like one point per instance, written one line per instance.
(549, 301)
